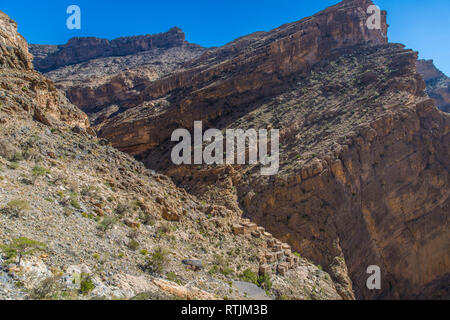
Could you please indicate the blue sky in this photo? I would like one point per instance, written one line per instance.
(420, 25)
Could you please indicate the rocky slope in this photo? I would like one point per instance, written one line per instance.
(364, 158)
(438, 84)
(103, 226)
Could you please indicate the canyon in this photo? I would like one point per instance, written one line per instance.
(81, 220)
(364, 149)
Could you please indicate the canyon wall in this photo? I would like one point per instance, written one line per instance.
(364, 170)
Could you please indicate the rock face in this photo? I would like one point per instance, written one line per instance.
(438, 84)
(27, 92)
(364, 152)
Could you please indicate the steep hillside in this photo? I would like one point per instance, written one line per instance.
(364, 156)
(80, 219)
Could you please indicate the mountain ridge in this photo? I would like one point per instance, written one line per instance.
(364, 158)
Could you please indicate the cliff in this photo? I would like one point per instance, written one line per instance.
(25, 91)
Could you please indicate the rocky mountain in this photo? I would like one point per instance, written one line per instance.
(438, 84)
(81, 220)
(364, 151)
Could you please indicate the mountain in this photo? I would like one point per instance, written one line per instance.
(364, 151)
(81, 220)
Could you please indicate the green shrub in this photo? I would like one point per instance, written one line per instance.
(21, 247)
(86, 284)
(39, 171)
(249, 276)
(16, 207)
(18, 204)
(265, 282)
(133, 245)
(226, 271)
(16, 157)
(74, 200)
(165, 229)
(107, 223)
(13, 165)
(74, 203)
(172, 276)
(214, 269)
(157, 261)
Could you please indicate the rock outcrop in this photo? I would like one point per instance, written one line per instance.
(25, 91)
(438, 84)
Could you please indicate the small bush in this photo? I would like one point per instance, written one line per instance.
(74, 203)
(21, 247)
(227, 271)
(16, 207)
(74, 200)
(48, 288)
(122, 209)
(172, 276)
(249, 276)
(214, 269)
(157, 261)
(107, 223)
(39, 171)
(86, 284)
(16, 157)
(133, 245)
(13, 165)
(18, 204)
(165, 229)
(264, 282)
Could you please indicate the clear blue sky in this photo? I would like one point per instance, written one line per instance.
(421, 25)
